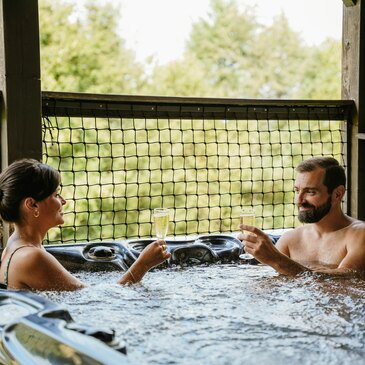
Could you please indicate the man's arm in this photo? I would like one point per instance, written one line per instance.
(354, 261)
(355, 246)
(261, 247)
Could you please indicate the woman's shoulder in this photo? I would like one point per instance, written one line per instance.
(29, 255)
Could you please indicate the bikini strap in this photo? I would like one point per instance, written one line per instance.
(6, 273)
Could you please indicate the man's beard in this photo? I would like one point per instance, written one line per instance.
(316, 213)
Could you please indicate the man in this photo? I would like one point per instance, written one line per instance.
(330, 242)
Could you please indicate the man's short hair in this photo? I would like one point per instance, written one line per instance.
(334, 173)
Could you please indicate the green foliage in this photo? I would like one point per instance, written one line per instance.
(229, 54)
(279, 53)
(322, 73)
(224, 45)
(85, 54)
(182, 77)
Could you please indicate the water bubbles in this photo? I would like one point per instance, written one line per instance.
(228, 314)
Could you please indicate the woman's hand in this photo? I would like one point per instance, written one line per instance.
(152, 255)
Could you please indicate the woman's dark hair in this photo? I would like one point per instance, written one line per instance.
(23, 179)
(334, 173)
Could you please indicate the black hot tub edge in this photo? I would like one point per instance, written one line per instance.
(120, 254)
(45, 331)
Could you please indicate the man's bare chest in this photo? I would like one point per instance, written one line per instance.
(328, 250)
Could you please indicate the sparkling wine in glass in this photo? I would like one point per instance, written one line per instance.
(161, 222)
(247, 217)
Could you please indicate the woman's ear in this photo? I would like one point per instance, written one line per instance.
(31, 206)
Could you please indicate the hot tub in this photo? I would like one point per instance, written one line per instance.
(205, 306)
(35, 330)
(201, 308)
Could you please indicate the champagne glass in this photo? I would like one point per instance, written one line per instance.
(247, 217)
(161, 222)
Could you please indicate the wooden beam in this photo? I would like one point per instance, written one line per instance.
(138, 106)
(21, 134)
(349, 2)
(353, 87)
(21, 129)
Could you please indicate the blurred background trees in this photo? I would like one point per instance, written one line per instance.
(228, 54)
(85, 55)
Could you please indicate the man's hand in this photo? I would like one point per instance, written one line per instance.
(259, 244)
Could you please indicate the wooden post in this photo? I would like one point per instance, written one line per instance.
(353, 87)
(21, 130)
(349, 2)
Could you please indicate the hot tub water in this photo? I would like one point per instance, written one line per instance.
(227, 314)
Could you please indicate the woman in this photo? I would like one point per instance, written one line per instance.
(30, 199)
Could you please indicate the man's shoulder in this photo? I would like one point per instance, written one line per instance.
(355, 240)
(354, 225)
(357, 227)
(357, 223)
(354, 235)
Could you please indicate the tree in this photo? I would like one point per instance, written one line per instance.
(278, 68)
(184, 77)
(85, 54)
(224, 45)
(322, 75)
(230, 54)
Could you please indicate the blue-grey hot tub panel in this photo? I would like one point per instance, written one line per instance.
(36, 331)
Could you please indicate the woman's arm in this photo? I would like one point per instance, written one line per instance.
(36, 269)
(153, 255)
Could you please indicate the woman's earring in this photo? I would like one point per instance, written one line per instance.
(36, 213)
